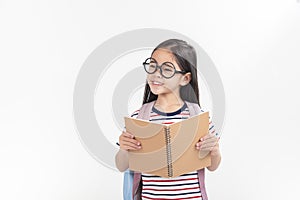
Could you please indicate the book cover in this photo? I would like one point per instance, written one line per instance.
(168, 150)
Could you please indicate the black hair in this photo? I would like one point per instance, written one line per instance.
(186, 57)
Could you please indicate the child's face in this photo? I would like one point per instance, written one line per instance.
(160, 85)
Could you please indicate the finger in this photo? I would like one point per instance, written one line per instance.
(129, 145)
(205, 137)
(134, 141)
(208, 145)
(124, 138)
(205, 142)
(208, 142)
(211, 148)
(197, 145)
(209, 135)
(127, 134)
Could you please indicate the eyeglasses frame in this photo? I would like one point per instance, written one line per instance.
(159, 66)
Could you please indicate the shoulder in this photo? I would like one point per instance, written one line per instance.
(135, 113)
(212, 127)
(204, 109)
(143, 108)
(195, 107)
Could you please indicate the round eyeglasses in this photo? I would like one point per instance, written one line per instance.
(167, 69)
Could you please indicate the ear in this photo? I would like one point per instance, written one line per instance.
(185, 79)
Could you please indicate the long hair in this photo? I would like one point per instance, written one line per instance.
(186, 58)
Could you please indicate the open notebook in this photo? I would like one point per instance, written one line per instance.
(168, 150)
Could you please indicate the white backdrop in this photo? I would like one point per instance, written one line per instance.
(255, 46)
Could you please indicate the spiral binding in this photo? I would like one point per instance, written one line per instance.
(168, 149)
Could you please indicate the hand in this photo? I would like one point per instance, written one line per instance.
(209, 143)
(128, 142)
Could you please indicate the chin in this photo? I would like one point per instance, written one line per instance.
(157, 92)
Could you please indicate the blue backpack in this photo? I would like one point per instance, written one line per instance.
(132, 184)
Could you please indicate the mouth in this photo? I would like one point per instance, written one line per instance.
(156, 83)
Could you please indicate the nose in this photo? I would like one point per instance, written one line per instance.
(157, 73)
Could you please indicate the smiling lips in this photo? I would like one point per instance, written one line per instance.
(156, 83)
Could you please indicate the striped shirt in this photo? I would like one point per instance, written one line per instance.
(185, 186)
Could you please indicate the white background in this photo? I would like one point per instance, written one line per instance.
(255, 46)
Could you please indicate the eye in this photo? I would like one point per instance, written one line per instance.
(168, 68)
(152, 66)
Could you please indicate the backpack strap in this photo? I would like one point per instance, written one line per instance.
(136, 187)
(201, 178)
(145, 111)
(194, 108)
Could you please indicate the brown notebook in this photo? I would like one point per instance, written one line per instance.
(168, 150)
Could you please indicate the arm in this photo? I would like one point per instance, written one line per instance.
(215, 158)
(210, 143)
(127, 142)
(121, 160)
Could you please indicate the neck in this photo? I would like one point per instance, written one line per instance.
(169, 102)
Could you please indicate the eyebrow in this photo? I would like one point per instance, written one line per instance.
(167, 62)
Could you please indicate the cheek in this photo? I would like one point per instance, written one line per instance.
(172, 83)
(153, 76)
(148, 77)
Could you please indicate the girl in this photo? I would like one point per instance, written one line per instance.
(171, 87)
